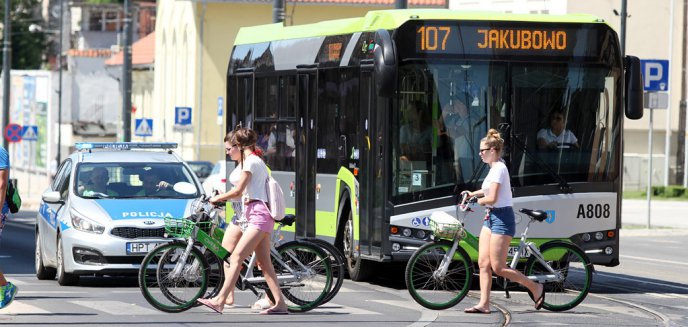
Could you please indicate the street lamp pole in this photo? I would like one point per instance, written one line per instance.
(6, 71)
(59, 87)
(126, 74)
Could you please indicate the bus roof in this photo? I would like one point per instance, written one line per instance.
(390, 19)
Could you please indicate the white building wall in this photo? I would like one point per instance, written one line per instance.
(176, 72)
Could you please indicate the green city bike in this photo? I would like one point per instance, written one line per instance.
(174, 275)
(439, 274)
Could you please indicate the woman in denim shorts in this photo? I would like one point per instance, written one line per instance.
(499, 226)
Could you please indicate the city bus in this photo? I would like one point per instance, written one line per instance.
(371, 124)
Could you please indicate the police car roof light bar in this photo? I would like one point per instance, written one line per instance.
(124, 145)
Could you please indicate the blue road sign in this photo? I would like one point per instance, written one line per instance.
(13, 132)
(144, 127)
(182, 115)
(30, 133)
(655, 75)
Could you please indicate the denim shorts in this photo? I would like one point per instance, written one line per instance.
(501, 221)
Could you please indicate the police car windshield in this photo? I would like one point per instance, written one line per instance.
(131, 180)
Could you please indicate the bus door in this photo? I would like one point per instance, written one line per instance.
(371, 182)
(305, 142)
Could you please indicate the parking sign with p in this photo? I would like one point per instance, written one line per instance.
(182, 115)
(655, 75)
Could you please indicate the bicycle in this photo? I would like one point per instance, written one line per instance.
(174, 275)
(439, 274)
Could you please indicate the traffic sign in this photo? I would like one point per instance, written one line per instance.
(13, 132)
(656, 100)
(144, 127)
(30, 133)
(220, 105)
(182, 115)
(655, 74)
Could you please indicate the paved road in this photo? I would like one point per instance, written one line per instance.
(642, 291)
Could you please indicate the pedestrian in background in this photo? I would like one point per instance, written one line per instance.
(499, 226)
(7, 290)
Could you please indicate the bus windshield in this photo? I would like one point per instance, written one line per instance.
(556, 114)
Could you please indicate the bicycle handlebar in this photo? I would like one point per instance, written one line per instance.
(466, 201)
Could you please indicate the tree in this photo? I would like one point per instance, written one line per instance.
(27, 47)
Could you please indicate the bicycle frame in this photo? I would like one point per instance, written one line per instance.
(216, 248)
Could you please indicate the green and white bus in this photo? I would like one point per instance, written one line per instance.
(372, 123)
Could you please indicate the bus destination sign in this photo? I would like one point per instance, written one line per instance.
(447, 38)
(499, 39)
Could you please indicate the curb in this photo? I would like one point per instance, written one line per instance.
(638, 230)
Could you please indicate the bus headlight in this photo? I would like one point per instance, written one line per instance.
(586, 237)
(608, 250)
(599, 236)
(406, 232)
(420, 233)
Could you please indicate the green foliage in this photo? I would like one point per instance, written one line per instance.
(674, 191)
(27, 47)
(671, 192)
(100, 2)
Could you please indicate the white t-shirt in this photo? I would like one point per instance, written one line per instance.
(562, 139)
(237, 204)
(499, 174)
(255, 190)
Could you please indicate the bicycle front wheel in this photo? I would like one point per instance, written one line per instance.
(571, 282)
(311, 273)
(431, 288)
(170, 292)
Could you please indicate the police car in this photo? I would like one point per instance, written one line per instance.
(105, 209)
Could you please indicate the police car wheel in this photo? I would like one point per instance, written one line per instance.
(42, 272)
(63, 278)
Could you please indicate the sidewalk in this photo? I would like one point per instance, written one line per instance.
(664, 215)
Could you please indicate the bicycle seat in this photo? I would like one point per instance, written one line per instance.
(288, 220)
(538, 215)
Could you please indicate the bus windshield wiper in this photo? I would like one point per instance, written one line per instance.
(563, 184)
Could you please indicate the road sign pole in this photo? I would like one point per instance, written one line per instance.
(649, 171)
(667, 121)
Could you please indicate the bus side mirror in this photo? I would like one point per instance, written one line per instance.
(385, 62)
(633, 88)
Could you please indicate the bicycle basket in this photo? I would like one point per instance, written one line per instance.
(183, 227)
(446, 230)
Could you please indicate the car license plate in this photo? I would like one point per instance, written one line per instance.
(513, 249)
(140, 247)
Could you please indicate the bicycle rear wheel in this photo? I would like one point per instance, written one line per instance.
(432, 290)
(574, 272)
(173, 293)
(337, 260)
(312, 272)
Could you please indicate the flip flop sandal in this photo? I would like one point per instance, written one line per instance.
(274, 312)
(476, 310)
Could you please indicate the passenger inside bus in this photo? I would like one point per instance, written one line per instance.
(415, 135)
(415, 140)
(464, 125)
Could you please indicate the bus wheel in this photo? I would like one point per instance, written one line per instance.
(357, 268)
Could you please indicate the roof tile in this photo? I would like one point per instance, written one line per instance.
(142, 52)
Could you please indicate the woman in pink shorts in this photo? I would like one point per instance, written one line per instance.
(251, 191)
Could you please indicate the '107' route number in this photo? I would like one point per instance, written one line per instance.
(593, 211)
